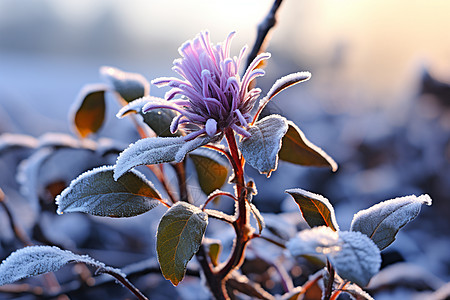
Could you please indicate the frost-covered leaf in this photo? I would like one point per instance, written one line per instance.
(157, 150)
(356, 292)
(358, 259)
(211, 169)
(315, 209)
(406, 275)
(88, 111)
(179, 237)
(97, 193)
(43, 169)
(297, 149)
(259, 218)
(62, 140)
(281, 84)
(318, 240)
(37, 260)
(354, 256)
(158, 120)
(260, 150)
(130, 86)
(382, 221)
(9, 141)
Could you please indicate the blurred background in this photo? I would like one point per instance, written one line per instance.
(378, 101)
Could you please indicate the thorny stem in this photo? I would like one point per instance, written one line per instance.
(125, 282)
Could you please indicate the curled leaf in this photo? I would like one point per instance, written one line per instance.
(297, 149)
(130, 86)
(88, 111)
(279, 85)
(316, 209)
(259, 218)
(158, 120)
(179, 236)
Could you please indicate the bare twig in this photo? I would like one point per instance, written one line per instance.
(263, 29)
(125, 282)
(279, 244)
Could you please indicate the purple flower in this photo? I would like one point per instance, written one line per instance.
(213, 97)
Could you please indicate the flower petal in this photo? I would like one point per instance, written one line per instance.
(211, 127)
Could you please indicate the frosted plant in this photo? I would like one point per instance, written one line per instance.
(210, 102)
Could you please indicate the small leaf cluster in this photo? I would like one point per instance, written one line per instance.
(354, 254)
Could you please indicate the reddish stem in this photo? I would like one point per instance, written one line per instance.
(214, 195)
(241, 226)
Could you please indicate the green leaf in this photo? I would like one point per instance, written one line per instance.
(354, 256)
(130, 86)
(88, 112)
(37, 260)
(156, 150)
(382, 221)
(298, 150)
(179, 237)
(214, 250)
(212, 171)
(158, 120)
(97, 193)
(315, 209)
(260, 150)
